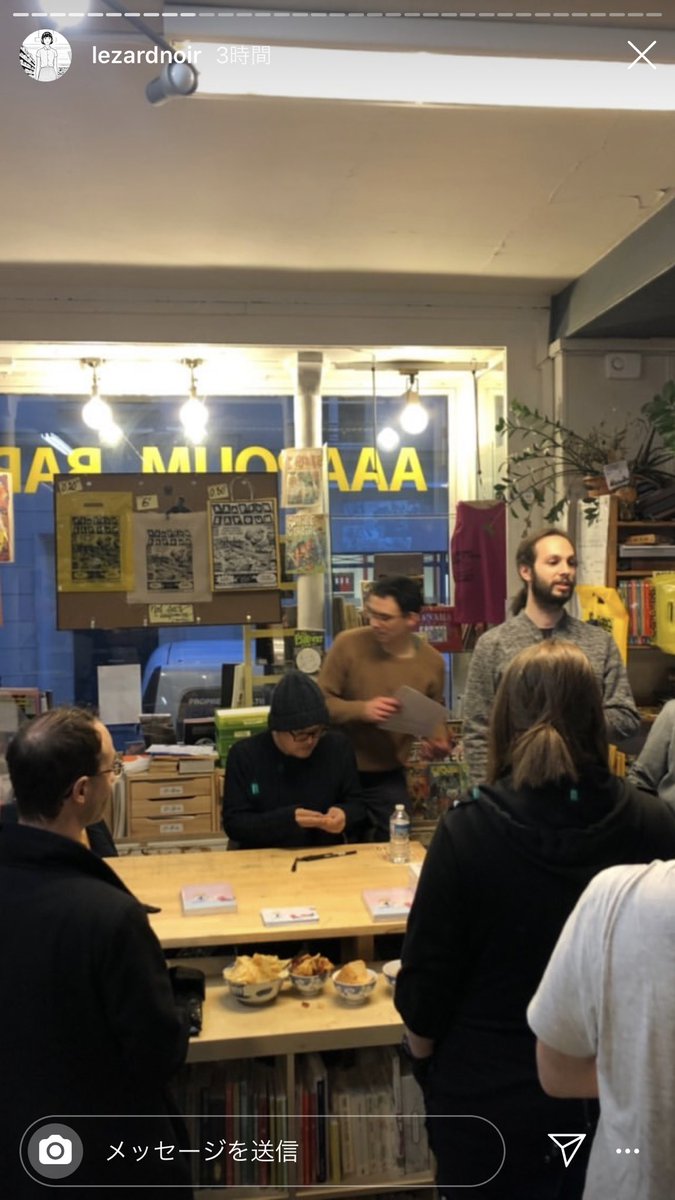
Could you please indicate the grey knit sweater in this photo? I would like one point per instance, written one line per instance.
(654, 770)
(494, 651)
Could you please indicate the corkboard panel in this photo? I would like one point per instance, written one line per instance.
(110, 610)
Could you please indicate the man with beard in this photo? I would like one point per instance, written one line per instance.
(546, 562)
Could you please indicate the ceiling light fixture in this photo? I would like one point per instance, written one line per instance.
(393, 77)
(110, 435)
(194, 414)
(387, 439)
(414, 418)
(177, 77)
(96, 413)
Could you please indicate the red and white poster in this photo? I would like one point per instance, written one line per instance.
(6, 518)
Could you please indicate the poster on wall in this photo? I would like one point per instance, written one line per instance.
(301, 480)
(6, 518)
(306, 543)
(170, 558)
(244, 544)
(92, 540)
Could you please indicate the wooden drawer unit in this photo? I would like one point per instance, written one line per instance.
(160, 828)
(172, 788)
(164, 806)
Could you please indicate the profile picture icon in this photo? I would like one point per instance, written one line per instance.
(45, 55)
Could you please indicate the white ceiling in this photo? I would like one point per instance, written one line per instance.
(98, 181)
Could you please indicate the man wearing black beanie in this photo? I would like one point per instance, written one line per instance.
(295, 785)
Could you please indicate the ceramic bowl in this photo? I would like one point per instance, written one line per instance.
(390, 970)
(255, 993)
(355, 993)
(309, 985)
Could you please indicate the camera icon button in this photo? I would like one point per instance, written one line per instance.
(54, 1150)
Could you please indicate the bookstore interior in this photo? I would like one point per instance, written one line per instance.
(168, 551)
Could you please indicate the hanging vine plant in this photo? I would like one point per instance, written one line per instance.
(554, 456)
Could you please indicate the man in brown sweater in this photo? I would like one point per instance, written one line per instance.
(362, 671)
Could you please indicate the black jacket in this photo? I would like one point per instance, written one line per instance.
(501, 876)
(263, 788)
(88, 1023)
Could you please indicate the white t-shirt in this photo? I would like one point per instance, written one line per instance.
(609, 992)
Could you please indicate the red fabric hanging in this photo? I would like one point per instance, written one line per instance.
(478, 551)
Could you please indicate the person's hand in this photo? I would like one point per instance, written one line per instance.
(436, 747)
(380, 708)
(332, 821)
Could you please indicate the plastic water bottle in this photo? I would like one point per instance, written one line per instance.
(399, 835)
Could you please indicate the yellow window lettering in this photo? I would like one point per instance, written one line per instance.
(86, 460)
(226, 458)
(244, 457)
(10, 460)
(42, 469)
(153, 461)
(336, 471)
(369, 470)
(408, 469)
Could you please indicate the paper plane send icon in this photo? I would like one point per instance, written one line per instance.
(568, 1144)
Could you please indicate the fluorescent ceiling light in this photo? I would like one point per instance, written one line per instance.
(438, 79)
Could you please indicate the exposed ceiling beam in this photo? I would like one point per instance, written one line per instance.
(642, 259)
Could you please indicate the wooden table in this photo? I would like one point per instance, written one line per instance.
(293, 1024)
(264, 879)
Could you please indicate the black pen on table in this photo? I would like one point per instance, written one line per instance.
(316, 857)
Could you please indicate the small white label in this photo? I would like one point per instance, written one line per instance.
(143, 503)
(172, 827)
(175, 789)
(219, 491)
(70, 485)
(172, 809)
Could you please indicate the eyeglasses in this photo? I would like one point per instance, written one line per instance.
(383, 618)
(307, 735)
(115, 770)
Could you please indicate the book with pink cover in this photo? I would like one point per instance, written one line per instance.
(289, 916)
(388, 904)
(199, 898)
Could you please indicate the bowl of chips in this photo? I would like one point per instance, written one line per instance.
(390, 970)
(256, 979)
(354, 982)
(309, 973)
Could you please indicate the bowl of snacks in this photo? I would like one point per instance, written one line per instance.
(309, 972)
(354, 982)
(390, 970)
(256, 979)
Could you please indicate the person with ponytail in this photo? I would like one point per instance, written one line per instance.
(503, 872)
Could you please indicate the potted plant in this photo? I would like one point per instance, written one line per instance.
(553, 456)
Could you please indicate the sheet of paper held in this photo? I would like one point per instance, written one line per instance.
(418, 714)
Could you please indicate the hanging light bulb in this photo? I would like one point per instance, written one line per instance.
(96, 413)
(387, 439)
(110, 434)
(414, 418)
(194, 414)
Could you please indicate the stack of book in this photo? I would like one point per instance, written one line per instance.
(181, 760)
(637, 596)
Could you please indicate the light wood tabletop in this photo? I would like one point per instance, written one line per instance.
(264, 879)
(293, 1023)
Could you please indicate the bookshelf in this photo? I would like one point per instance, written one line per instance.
(631, 565)
(255, 1073)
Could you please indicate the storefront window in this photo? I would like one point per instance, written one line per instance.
(395, 501)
